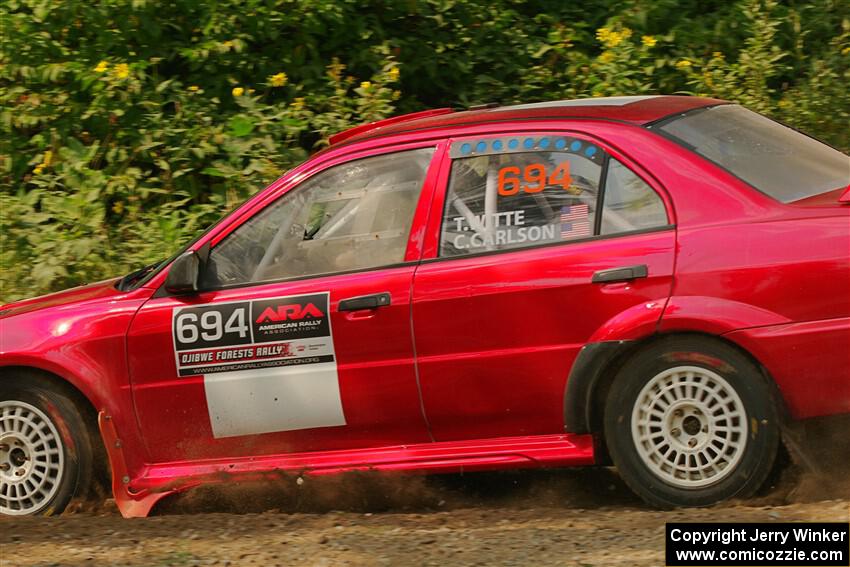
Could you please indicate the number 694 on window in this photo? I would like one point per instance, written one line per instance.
(535, 176)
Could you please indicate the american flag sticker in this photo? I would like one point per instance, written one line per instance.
(575, 222)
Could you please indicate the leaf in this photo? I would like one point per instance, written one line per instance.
(213, 172)
(241, 126)
(542, 51)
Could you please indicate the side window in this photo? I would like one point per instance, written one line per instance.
(515, 192)
(629, 203)
(353, 216)
(521, 191)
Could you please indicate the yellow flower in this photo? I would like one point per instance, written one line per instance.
(194, 88)
(365, 85)
(648, 40)
(717, 55)
(335, 69)
(845, 51)
(102, 67)
(298, 103)
(122, 70)
(38, 169)
(683, 64)
(118, 207)
(611, 38)
(394, 73)
(278, 80)
(48, 157)
(227, 44)
(238, 91)
(606, 57)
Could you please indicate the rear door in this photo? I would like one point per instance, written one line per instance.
(301, 337)
(540, 240)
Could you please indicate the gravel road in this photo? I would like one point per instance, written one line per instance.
(573, 518)
(570, 518)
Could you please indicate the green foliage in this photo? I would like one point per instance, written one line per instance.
(130, 125)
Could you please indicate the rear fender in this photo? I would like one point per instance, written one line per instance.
(593, 363)
(621, 335)
(714, 316)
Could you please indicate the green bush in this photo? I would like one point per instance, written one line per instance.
(128, 125)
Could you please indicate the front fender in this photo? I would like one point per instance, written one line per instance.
(84, 344)
(9, 362)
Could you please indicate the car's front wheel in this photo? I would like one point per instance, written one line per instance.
(45, 453)
(690, 422)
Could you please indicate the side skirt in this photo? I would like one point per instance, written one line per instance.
(136, 497)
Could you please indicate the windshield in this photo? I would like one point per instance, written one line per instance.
(141, 276)
(778, 161)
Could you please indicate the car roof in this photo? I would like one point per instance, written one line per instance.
(637, 110)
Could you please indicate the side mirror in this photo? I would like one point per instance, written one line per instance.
(183, 274)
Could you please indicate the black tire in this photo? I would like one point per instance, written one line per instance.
(36, 398)
(744, 446)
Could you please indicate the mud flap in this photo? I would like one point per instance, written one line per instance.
(130, 504)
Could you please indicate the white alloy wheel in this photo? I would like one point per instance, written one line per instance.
(689, 427)
(32, 458)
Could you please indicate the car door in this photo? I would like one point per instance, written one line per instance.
(300, 339)
(529, 234)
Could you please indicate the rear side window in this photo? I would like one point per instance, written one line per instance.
(773, 158)
(629, 203)
(518, 192)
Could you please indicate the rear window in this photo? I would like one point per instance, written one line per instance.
(773, 158)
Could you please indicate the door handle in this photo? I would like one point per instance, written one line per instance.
(624, 274)
(372, 301)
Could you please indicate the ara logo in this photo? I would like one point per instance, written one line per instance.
(289, 312)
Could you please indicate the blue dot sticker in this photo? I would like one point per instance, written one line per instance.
(575, 146)
(513, 144)
(544, 143)
(590, 151)
(560, 144)
(498, 145)
(528, 143)
(481, 147)
(465, 149)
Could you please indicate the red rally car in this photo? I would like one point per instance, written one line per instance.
(659, 282)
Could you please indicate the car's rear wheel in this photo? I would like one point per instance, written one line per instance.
(690, 422)
(45, 452)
